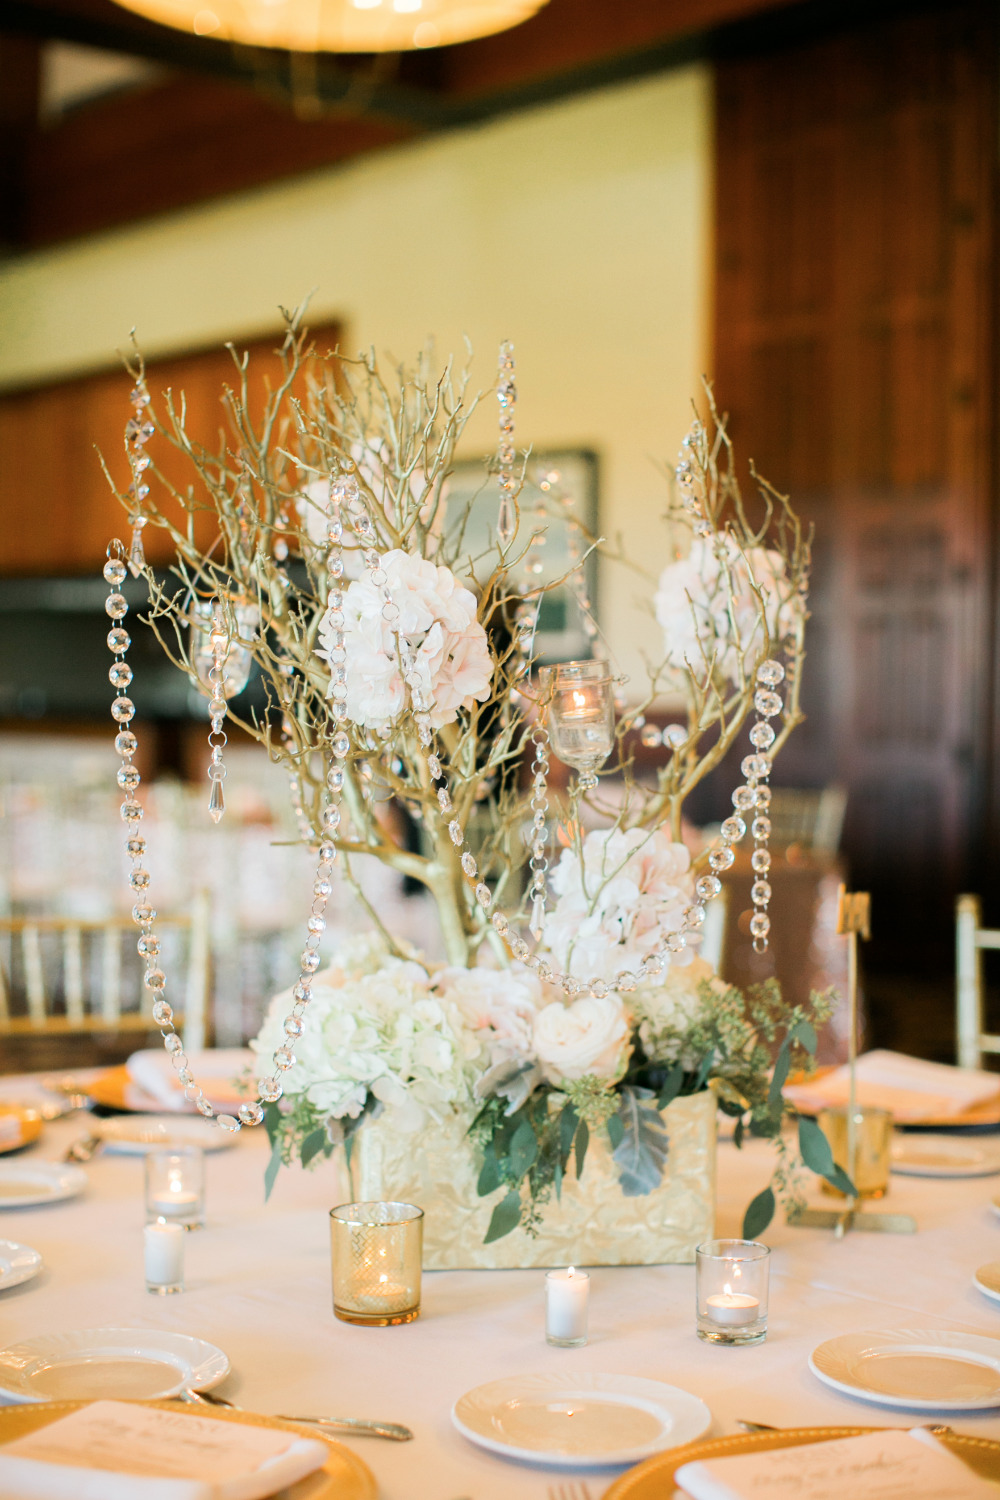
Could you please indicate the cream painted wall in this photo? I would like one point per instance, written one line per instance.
(579, 230)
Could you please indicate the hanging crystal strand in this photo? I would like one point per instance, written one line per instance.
(137, 434)
(506, 396)
(217, 709)
(768, 704)
(539, 828)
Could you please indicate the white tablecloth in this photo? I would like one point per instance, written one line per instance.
(258, 1281)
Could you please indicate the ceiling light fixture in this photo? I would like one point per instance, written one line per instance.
(340, 25)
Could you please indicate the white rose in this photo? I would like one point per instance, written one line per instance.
(591, 1036)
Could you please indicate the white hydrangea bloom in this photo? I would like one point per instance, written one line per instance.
(497, 1008)
(668, 1008)
(693, 605)
(630, 888)
(437, 618)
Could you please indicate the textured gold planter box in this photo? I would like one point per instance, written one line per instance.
(593, 1224)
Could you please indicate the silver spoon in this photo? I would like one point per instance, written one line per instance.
(359, 1426)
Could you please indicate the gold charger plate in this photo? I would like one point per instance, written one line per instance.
(342, 1477)
(110, 1089)
(31, 1126)
(654, 1479)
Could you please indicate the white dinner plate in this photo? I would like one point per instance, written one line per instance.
(987, 1279)
(579, 1420)
(17, 1263)
(23, 1184)
(922, 1369)
(134, 1135)
(944, 1156)
(109, 1364)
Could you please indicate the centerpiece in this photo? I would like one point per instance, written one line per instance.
(573, 1022)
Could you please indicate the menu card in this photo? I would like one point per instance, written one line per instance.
(890, 1465)
(116, 1450)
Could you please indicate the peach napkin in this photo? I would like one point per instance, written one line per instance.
(154, 1083)
(908, 1087)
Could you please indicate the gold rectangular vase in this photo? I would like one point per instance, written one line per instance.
(593, 1224)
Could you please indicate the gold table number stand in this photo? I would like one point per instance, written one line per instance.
(853, 922)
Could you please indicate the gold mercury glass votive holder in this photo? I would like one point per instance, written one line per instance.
(872, 1148)
(376, 1253)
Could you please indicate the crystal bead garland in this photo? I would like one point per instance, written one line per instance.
(137, 433)
(539, 863)
(217, 710)
(768, 704)
(506, 397)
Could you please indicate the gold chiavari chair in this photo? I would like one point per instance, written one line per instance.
(63, 975)
(972, 1040)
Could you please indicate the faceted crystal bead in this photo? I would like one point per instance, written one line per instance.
(139, 397)
(203, 1107)
(327, 853)
(651, 737)
(128, 778)
(173, 1044)
(675, 735)
(120, 675)
(335, 778)
(483, 895)
(651, 965)
(123, 710)
(331, 816)
(216, 802)
(744, 798)
(136, 551)
(599, 988)
(770, 673)
(707, 886)
(762, 735)
(694, 916)
(148, 945)
(760, 893)
(434, 766)
(309, 961)
(139, 880)
(755, 766)
(676, 942)
(455, 832)
(500, 923)
(625, 982)
(764, 797)
(721, 859)
(135, 848)
(143, 913)
(767, 703)
(322, 888)
(341, 745)
(519, 948)
(303, 992)
(506, 521)
(116, 605)
(185, 1076)
(469, 865)
(284, 1059)
(293, 1027)
(119, 640)
(154, 979)
(126, 742)
(162, 1013)
(251, 1113)
(316, 924)
(760, 924)
(114, 571)
(425, 734)
(760, 860)
(733, 830)
(131, 811)
(444, 800)
(761, 828)
(269, 1089)
(230, 1123)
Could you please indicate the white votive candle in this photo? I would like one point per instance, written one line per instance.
(732, 1309)
(567, 1294)
(164, 1254)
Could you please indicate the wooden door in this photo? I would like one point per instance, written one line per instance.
(854, 347)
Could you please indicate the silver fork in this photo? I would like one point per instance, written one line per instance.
(571, 1490)
(358, 1426)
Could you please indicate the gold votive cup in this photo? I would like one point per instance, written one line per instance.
(376, 1254)
(872, 1148)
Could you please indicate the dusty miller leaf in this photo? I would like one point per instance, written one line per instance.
(642, 1154)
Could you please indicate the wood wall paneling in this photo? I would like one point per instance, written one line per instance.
(854, 345)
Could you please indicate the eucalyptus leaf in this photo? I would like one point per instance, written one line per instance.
(523, 1148)
(313, 1144)
(506, 1216)
(489, 1175)
(738, 1133)
(805, 1034)
(642, 1153)
(272, 1121)
(759, 1214)
(814, 1149)
(671, 1086)
(782, 1063)
(272, 1169)
(582, 1142)
(568, 1122)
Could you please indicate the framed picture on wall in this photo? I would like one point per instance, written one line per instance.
(571, 478)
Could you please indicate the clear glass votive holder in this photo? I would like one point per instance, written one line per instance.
(732, 1282)
(376, 1254)
(175, 1187)
(872, 1162)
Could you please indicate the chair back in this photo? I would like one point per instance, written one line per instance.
(61, 975)
(972, 1041)
(812, 818)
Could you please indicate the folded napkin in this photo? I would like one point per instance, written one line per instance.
(10, 1130)
(908, 1087)
(117, 1450)
(888, 1465)
(154, 1082)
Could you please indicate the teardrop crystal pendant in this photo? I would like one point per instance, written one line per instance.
(216, 802)
(506, 521)
(136, 552)
(537, 923)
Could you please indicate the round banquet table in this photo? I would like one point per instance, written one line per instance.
(258, 1285)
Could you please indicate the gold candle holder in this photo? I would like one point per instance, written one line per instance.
(376, 1254)
(869, 1166)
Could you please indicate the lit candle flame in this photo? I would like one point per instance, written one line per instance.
(727, 1290)
(579, 699)
(571, 1272)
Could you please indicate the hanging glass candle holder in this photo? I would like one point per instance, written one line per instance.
(223, 633)
(580, 695)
